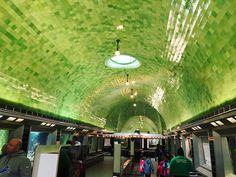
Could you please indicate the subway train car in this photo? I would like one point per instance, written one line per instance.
(88, 88)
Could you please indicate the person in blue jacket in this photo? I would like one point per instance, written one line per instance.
(148, 168)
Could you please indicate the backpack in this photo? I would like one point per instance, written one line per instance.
(165, 169)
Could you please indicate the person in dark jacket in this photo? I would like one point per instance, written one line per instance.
(180, 166)
(15, 163)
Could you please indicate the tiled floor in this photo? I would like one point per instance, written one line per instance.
(105, 168)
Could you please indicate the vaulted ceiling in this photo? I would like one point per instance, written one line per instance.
(52, 55)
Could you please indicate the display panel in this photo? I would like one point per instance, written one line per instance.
(205, 159)
(3, 137)
(35, 139)
(47, 165)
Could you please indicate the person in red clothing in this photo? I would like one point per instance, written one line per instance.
(141, 167)
(163, 167)
(180, 166)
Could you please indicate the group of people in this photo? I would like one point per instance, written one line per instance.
(13, 161)
(168, 165)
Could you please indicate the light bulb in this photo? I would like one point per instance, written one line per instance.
(131, 96)
(127, 83)
(136, 93)
(134, 105)
(117, 52)
(120, 27)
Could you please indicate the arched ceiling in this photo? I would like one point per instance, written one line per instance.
(52, 56)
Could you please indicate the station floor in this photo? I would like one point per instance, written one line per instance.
(105, 168)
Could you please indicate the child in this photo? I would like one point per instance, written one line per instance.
(163, 168)
(148, 168)
(141, 166)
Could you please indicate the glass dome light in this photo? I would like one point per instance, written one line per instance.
(121, 60)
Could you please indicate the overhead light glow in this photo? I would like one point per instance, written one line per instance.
(48, 124)
(11, 118)
(134, 105)
(199, 127)
(117, 52)
(1, 116)
(219, 122)
(214, 124)
(19, 120)
(43, 123)
(52, 125)
(120, 27)
(231, 119)
(157, 98)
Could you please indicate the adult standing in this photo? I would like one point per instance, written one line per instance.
(148, 168)
(15, 163)
(180, 166)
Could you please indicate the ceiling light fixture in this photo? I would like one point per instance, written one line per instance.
(127, 79)
(214, 124)
(231, 119)
(122, 61)
(219, 122)
(19, 120)
(11, 118)
(43, 123)
(134, 104)
(120, 27)
(117, 52)
(1, 116)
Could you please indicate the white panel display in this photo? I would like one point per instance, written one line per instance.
(48, 165)
(206, 149)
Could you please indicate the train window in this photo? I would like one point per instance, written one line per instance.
(92, 144)
(100, 144)
(152, 143)
(204, 153)
(107, 142)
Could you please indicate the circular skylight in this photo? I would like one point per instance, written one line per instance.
(123, 61)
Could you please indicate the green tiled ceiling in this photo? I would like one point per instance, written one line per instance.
(52, 55)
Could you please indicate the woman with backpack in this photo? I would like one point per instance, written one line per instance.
(148, 168)
(141, 166)
(163, 167)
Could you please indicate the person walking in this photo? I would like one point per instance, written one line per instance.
(148, 168)
(141, 166)
(180, 166)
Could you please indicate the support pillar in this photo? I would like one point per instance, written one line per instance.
(117, 160)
